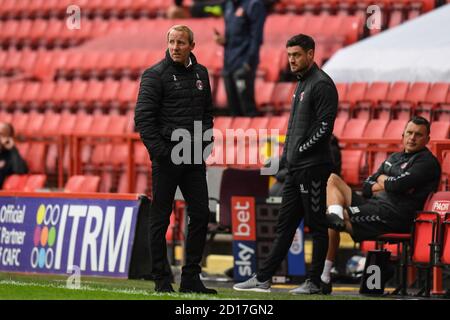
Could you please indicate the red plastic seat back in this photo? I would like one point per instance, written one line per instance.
(425, 227)
(354, 128)
(375, 128)
(445, 242)
(15, 182)
(35, 182)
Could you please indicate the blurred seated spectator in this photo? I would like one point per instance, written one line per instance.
(10, 160)
(199, 9)
(204, 8)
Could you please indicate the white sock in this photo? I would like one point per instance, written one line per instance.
(337, 209)
(326, 274)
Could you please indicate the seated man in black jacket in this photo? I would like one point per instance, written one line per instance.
(10, 160)
(391, 196)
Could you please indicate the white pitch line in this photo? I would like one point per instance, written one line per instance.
(124, 291)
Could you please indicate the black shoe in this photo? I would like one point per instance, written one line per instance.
(326, 288)
(163, 286)
(335, 222)
(194, 286)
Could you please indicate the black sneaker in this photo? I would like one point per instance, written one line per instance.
(326, 288)
(163, 286)
(335, 222)
(195, 285)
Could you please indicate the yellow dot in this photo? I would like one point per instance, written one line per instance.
(40, 214)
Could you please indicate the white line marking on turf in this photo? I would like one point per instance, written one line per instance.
(124, 291)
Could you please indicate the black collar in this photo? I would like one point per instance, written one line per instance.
(312, 69)
(180, 65)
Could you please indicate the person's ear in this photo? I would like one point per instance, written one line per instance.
(192, 46)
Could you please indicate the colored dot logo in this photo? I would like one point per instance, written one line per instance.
(44, 238)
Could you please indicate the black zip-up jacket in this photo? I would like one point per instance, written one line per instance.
(11, 162)
(411, 178)
(313, 111)
(172, 96)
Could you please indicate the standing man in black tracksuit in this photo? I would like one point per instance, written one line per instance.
(308, 159)
(175, 101)
(391, 196)
(244, 29)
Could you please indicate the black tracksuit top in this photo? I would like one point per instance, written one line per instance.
(172, 96)
(311, 122)
(411, 178)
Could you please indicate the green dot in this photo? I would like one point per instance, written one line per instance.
(51, 236)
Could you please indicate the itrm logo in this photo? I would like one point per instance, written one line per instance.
(42, 255)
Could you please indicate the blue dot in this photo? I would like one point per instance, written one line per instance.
(41, 258)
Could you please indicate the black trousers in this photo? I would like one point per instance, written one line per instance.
(241, 94)
(191, 178)
(304, 196)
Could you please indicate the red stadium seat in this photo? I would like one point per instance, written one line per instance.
(439, 130)
(31, 92)
(355, 92)
(128, 91)
(61, 93)
(282, 95)
(109, 94)
(20, 121)
(15, 182)
(424, 234)
(78, 92)
(36, 157)
(34, 125)
(15, 93)
(354, 128)
(375, 128)
(94, 92)
(395, 129)
(81, 184)
(263, 94)
(376, 93)
(434, 98)
(35, 182)
(417, 92)
(445, 241)
(271, 62)
(351, 160)
(397, 93)
(339, 125)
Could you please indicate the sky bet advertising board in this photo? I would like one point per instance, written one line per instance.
(55, 235)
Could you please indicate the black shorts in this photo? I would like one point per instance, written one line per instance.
(368, 218)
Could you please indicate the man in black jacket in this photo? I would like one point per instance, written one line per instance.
(175, 101)
(308, 158)
(391, 196)
(10, 160)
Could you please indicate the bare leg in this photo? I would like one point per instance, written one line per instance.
(338, 194)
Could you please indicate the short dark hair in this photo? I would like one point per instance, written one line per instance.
(302, 40)
(420, 121)
(10, 128)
